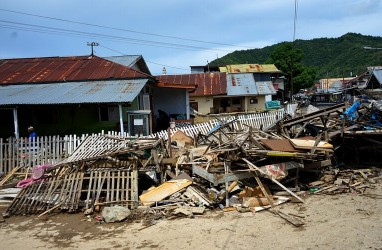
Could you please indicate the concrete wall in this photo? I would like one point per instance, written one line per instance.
(205, 103)
(259, 106)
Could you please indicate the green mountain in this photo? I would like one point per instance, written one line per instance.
(333, 57)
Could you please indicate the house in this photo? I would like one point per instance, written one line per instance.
(210, 86)
(81, 94)
(234, 88)
(372, 85)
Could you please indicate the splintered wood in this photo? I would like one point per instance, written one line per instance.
(103, 170)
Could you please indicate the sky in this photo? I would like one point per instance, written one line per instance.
(175, 34)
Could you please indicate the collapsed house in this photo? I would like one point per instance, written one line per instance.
(230, 166)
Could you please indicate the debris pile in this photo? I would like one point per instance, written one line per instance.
(232, 167)
(345, 181)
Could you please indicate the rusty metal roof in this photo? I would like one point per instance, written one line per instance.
(63, 69)
(214, 83)
(250, 68)
(110, 91)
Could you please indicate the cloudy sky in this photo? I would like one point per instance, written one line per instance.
(174, 33)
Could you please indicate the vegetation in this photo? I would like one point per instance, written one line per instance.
(331, 57)
(288, 60)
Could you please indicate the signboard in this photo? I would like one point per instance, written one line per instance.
(138, 122)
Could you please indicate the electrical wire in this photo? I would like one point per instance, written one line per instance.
(125, 30)
(145, 59)
(55, 30)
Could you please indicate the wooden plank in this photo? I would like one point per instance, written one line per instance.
(79, 190)
(10, 174)
(39, 196)
(87, 203)
(309, 144)
(128, 188)
(252, 166)
(112, 186)
(108, 187)
(123, 187)
(99, 190)
(117, 196)
(164, 190)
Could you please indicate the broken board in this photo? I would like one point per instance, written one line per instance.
(309, 144)
(161, 192)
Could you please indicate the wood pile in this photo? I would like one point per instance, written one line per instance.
(231, 167)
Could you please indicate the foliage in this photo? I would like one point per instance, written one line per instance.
(333, 57)
(288, 59)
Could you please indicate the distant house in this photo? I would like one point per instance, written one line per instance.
(234, 88)
(333, 84)
(371, 82)
(80, 94)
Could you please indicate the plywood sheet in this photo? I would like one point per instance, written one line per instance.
(283, 145)
(161, 192)
(309, 144)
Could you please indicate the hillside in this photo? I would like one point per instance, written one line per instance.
(334, 57)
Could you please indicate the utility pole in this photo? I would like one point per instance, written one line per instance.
(292, 55)
(93, 44)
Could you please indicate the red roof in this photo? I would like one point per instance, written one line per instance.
(214, 83)
(63, 69)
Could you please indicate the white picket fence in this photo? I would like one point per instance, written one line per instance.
(23, 152)
(52, 149)
(257, 120)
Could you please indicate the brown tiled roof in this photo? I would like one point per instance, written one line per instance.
(214, 83)
(63, 69)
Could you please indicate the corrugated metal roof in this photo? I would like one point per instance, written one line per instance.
(61, 69)
(214, 83)
(241, 84)
(250, 68)
(378, 74)
(126, 60)
(135, 62)
(117, 91)
(265, 88)
(245, 84)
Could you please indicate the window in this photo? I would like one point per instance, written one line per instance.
(194, 105)
(253, 101)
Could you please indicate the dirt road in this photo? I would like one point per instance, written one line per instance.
(344, 221)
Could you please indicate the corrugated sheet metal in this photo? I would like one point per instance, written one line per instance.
(378, 74)
(214, 83)
(250, 68)
(241, 84)
(61, 69)
(245, 84)
(135, 62)
(127, 60)
(265, 88)
(118, 91)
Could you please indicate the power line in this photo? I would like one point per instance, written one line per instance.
(126, 30)
(54, 30)
(145, 59)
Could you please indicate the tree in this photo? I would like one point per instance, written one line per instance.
(288, 60)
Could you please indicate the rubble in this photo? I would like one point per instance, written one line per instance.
(232, 167)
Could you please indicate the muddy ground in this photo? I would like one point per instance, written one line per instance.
(342, 221)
